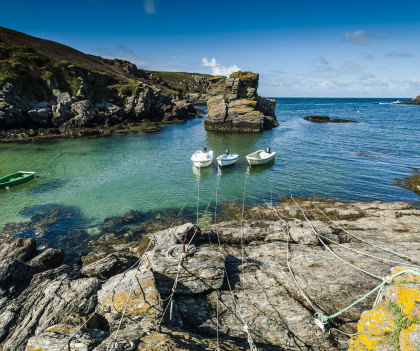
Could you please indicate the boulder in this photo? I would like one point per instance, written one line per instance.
(61, 114)
(202, 270)
(23, 249)
(62, 98)
(84, 112)
(178, 235)
(41, 116)
(15, 275)
(57, 336)
(51, 298)
(135, 292)
(234, 105)
(49, 259)
(108, 266)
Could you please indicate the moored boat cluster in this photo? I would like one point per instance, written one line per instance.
(204, 158)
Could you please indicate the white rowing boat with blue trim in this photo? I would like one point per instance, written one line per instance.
(227, 159)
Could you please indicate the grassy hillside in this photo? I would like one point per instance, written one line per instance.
(32, 63)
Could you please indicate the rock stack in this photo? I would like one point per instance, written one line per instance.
(234, 105)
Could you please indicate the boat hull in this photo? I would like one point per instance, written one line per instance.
(202, 164)
(16, 179)
(202, 159)
(230, 160)
(260, 158)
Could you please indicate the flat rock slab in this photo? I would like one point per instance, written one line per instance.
(108, 266)
(134, 291)
(201, 271)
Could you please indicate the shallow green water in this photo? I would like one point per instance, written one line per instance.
(111, 175)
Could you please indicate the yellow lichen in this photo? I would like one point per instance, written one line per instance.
(245, 74)
(405, 343)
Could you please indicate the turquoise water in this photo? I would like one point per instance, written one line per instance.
(108, 176)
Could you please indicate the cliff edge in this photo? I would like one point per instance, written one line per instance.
(234, 105)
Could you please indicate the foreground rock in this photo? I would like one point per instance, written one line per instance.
(394, 321)
(234, 105)
(253, 283)
(327, 119)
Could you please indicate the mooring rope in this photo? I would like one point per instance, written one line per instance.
(137, 263)
(409, 258)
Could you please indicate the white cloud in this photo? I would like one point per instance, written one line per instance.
(149, 7)
(217, 69)
(362, 37)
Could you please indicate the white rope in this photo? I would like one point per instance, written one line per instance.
(120, 323)
(137, 263)
(322, 242)
(304, 294)
(392, 262)
(366, 241)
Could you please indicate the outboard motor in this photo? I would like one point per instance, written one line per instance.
(205, 149)
(268, 150)
(227, 152)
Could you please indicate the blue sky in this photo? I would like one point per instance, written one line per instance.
(300, 48)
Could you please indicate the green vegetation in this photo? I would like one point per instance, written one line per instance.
(400, 322)
(131, 87)
(412, 182)
(32, 64)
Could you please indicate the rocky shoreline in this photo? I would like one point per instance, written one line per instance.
(142, 295)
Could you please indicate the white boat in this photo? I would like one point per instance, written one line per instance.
(260, 157)
(396, 102)
(227, 159)
(202, 159)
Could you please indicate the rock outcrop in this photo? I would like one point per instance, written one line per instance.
(415, 101)
(327, 119)
(234, 105)
(219, 293)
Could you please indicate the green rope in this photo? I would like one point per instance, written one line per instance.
(386, 281)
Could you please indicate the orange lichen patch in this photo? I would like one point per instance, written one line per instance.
(408, 339)
(251, 102)
(367, 342)
(407, 297)
(373, 328)
(377, 321)
(32, 348)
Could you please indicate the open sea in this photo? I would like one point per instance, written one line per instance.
(108, 176)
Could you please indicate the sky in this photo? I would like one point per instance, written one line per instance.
(300, 48)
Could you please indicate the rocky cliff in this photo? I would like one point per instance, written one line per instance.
(234, 105)
(50, 89)
(220, 294)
